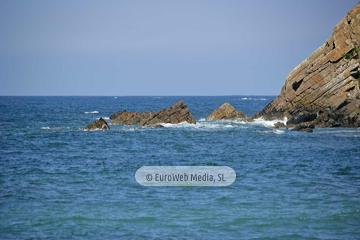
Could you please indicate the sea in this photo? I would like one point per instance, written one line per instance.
(59, 182)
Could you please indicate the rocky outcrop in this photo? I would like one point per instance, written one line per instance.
(115, 115)
(177, 113)
(100, 124)
(324, 89)
(225, 111)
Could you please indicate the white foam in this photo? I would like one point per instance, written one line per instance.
(115, 97)
(269, 123)
(95, 129)
(53, 127)
(277, 131)
(93, 112)
(106, 118)
(202, 125)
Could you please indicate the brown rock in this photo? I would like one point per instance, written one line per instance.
(279, 125)
(177, 113)
(100, 124)
(225, 111)
(115, 115)
(324, 87)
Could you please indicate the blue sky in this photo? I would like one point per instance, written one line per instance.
(117, 48)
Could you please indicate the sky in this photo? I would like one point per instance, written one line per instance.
(158, 48)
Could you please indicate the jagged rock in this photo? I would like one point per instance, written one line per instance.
(130, 118)
(115, 115)
(225, 111)
(100, 124)
(177, 113)
(324, 88)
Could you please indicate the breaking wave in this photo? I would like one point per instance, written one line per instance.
(227, 124)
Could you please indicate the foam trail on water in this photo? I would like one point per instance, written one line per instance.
(226, 124)
(93, 112)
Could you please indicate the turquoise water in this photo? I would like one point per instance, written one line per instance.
(69, 184)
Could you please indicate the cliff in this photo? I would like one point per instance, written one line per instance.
(324, 88)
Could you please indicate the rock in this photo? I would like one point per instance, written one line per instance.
(225, 111)
(177, 113)
(304, 127)
(131, 118)
(155, 126)
(100, 124)
(115, 115)
(302, 117)
(324, 88)
(279, 125)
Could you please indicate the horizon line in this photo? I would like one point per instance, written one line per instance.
(135, 95)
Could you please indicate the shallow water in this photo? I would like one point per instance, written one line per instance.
(66, 183)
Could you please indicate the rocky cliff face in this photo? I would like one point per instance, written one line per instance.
(225, 111)
(324, 89)
(177, 113)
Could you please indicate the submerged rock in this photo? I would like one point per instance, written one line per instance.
(177, 113)
(324, 88)
(225, 111)
(100, 124)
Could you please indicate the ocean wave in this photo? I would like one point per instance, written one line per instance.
(268, 123)
(93, 112)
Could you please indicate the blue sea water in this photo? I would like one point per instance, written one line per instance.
(69, 184)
